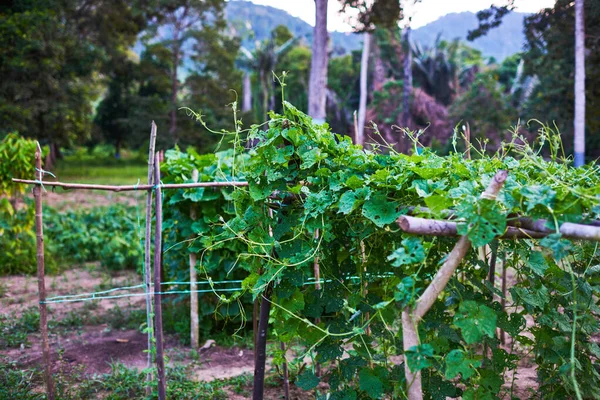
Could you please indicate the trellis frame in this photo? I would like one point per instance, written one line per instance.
(522, 228)
(153, 185)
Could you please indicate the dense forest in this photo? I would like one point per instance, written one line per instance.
(80, 73)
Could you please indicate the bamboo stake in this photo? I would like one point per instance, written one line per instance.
(147, 256)
(411, 318)
(39, 241)
(126, 188)
(160, 361)
(194, 327)
(434, 227)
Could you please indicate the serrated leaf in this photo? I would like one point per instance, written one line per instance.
(560, 247)
(438, 203)
(370, 383)
(484, 221)
(475, 320)
(354, 182)
(347, 203)
(307, 380)
(458, 363)
(411, 252)
(538, 195)
(380, 211)
(537, 263)
(419, 357)
(536, 298)
(329, 351)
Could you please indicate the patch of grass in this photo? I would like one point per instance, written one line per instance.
(18, 384)
(119, 173)
(119, 318)
(14, 330)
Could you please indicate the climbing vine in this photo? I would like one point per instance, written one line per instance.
(313, 194)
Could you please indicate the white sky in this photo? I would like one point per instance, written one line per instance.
(423, 13)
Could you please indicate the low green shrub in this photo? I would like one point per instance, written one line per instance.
(110, 235)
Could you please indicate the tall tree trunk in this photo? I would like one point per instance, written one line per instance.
(317, 94)
(362, 104)
(264, 86)
(407, 78)
(579, 84)
(407, 88)
(174, 84)
(174, 88)
(247, 100)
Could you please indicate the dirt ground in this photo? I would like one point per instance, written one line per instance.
(94, 347)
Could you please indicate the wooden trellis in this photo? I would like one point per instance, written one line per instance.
(519, 228)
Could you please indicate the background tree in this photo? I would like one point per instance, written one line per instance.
(318, 67)
(579, 84)
(51, 56)
(549, 55)
(264, 62)
(176, 27)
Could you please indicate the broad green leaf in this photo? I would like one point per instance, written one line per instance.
(411, 252)
(307, 380)
(370, 383)
(560, 247)
(458, 363)
(380, 211)
(484, 221)
(419, 357)
(475, 320)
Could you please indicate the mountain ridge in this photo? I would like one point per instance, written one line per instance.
(254, 22)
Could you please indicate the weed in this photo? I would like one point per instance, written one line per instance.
(14, 330)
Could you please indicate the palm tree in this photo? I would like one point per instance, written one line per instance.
(440, 69)
(579, 84)
(263, 61)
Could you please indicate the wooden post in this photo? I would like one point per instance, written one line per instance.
(286, 376)
(261, 346)
(158, 331)
(147, 256)
(39, 236)
(194, 327)
(317, 275)
(412, 317)
(503, 299)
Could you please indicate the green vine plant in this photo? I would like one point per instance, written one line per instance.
(303, 179)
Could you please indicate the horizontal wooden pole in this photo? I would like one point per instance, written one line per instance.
(126, 188)
(433, 227)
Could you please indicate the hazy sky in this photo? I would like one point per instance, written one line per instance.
(422, 13)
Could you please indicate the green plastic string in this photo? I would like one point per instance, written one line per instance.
(99, 295)
(94, 294)
(119, 296)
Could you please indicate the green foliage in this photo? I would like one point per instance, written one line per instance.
(302, 178)
(185, 235)
(549, 56)
(16, 329)
(111, 234)
(52, 59)
(17, 239)
(485, 108)
(16, 161)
